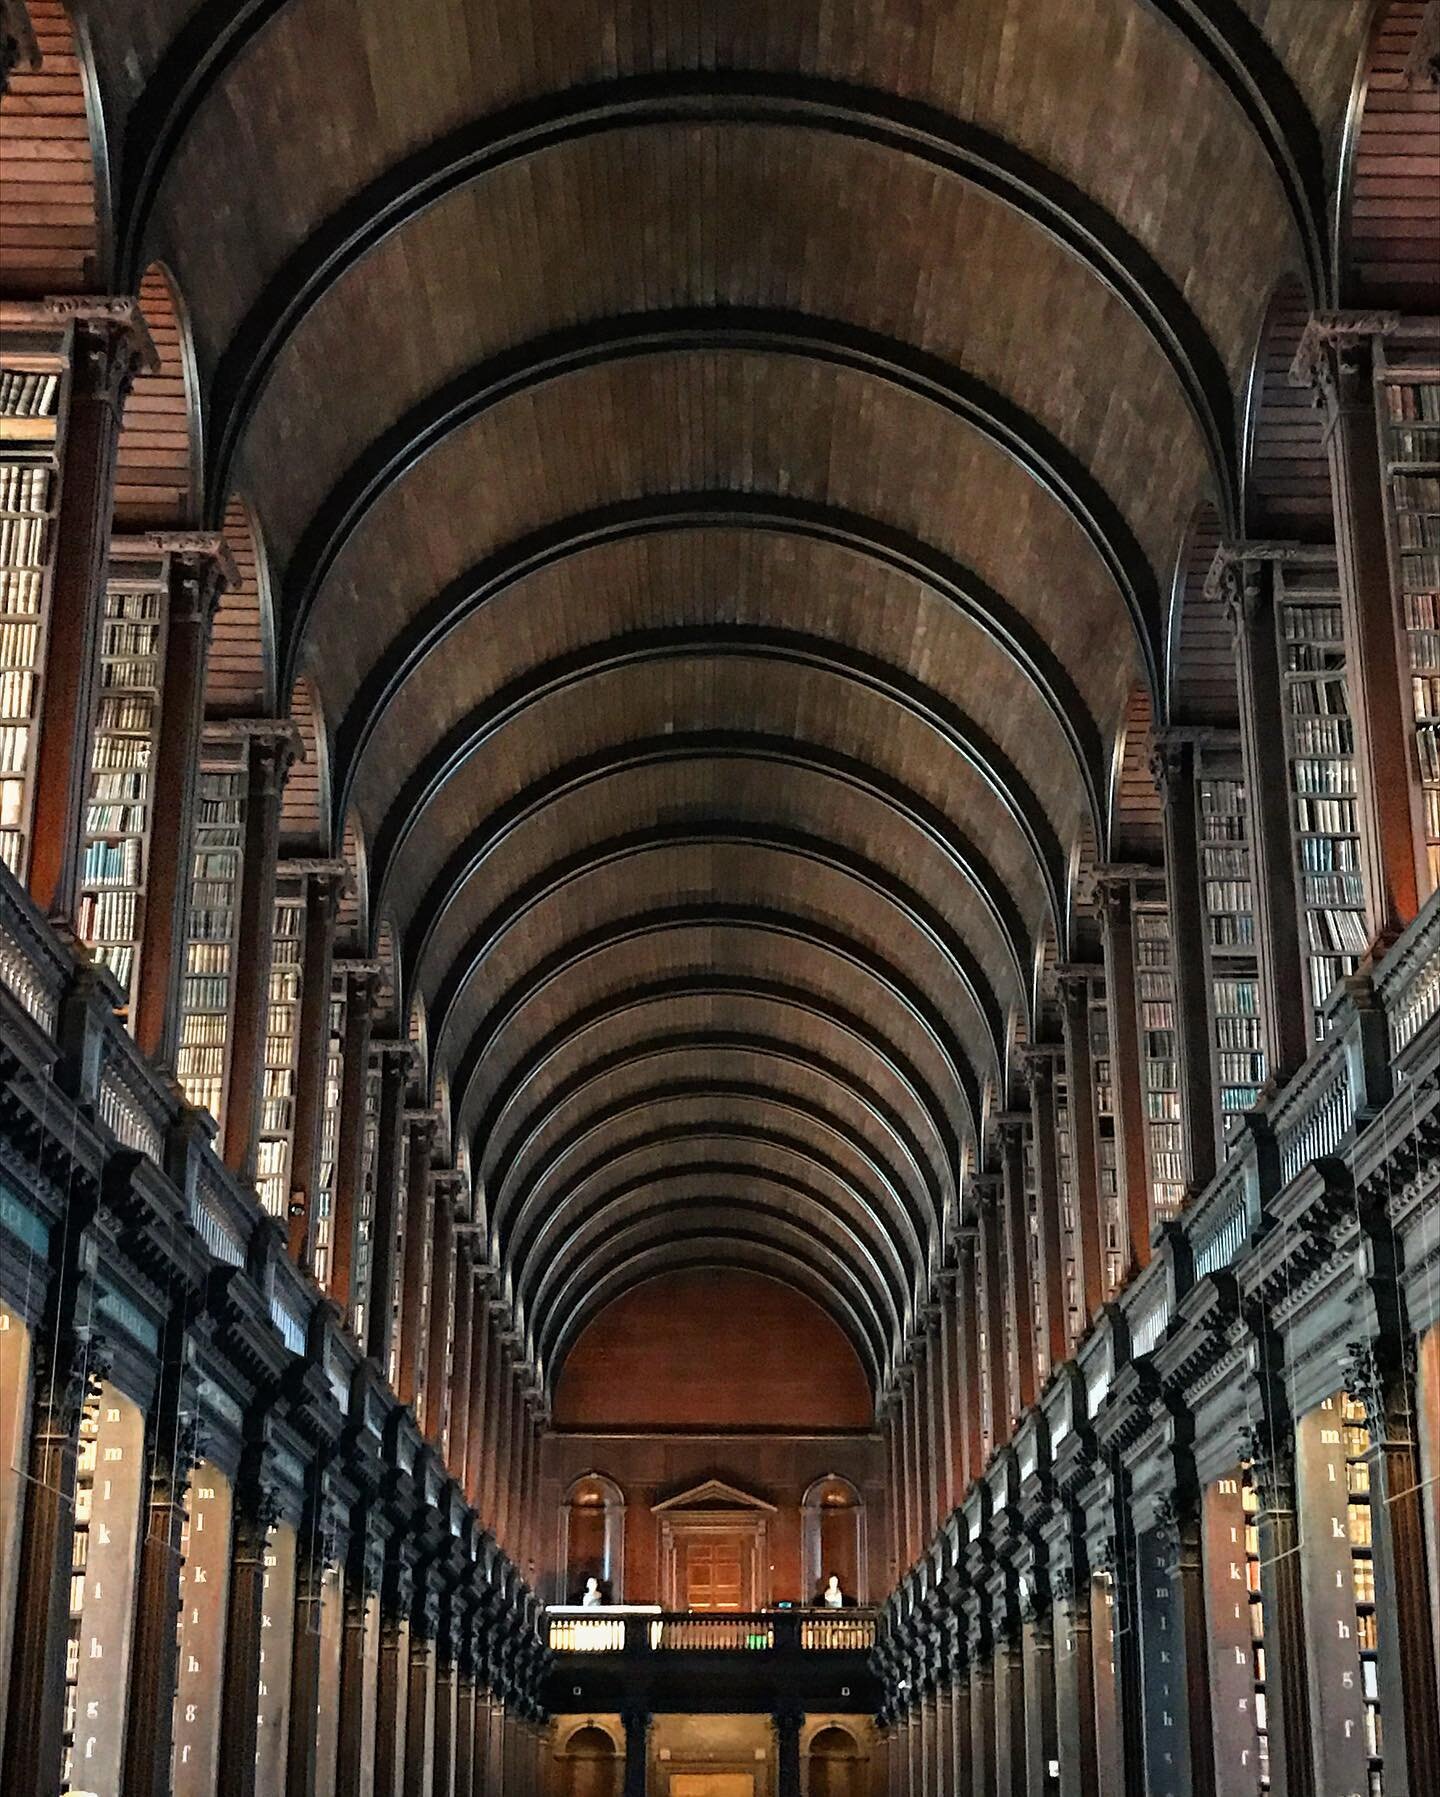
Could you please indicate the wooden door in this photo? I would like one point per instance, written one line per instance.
(715, 1572)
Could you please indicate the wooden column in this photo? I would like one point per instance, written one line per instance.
(1173, 766)
(1245, 580)
(494, 1404)
(1074, 1671)
(1336, 356)
(255, 1513)
(910, 1437)
(1074, 985)
(324, 883)
(110, 346)
(967, 1300)
(440, 1307)
(939, 1421)
(362, 985)
(1179, 1746)
(198, 570)
(992, 1284)
(895, 1496)
(271, 751)
(396, 1060)
(414, 1294)
(924, 1452)
(1117, 918)
(1019, 1297)
(171, 1450)
(504, 1419)
(1050, 1259)
(457, 1429)
(359, 1657)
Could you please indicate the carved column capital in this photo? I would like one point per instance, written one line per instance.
(112, 347)
(1335, 352)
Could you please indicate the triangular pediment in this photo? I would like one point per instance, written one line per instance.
(714, 1494)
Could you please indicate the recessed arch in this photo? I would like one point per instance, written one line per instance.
(1286, 470)
(1201, 670)
(305, 808)
(352, 927)
(240, 670)
(159, 456)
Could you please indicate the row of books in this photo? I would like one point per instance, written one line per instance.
(24, 486)
(1326, 890)
(111, 863)
(1233, 932)
(1316, 777)
(26, 394)
(108, 916)
(23, 542)
(130, 712)
(1411, 402)
(20, 590)
(1336, 931)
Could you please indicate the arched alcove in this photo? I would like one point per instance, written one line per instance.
(590, 1764)
(1287, 471)
(305, 801)
(592, 1538)
(158, 457)
(833, 1538)
(1201, 677)
(240, 670)
(837, 1764)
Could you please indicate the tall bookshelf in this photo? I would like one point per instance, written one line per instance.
(329, 1126)
(1410, 446)
(120, 806)
(1069, 1222)
(1107, 1147)
(282, 1029)
(31, 413)
(1320, 753)
(217, 864)
(87, 1454)
(364, 1251)
(1356, 1438)
(1227, 870)
(1254, 1589)
(1160, 1062)
(1032, 1248)
(397, 1263)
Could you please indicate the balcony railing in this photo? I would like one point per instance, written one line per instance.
(642, 1629)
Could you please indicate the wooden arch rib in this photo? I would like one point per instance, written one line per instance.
(734, 1159)
(646, 927)
(746, 1194)
(1388, 221)
(969, 862)
(157, 461)
(918, 916)
(808, 1122)
(52, 188)
(642, 648)
(522, 1141)
(614, 1270)
(630, 520)
(852, 1025)
(396, 451)
(1054, 204)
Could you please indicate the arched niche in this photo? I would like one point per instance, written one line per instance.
(352, 923)
(589, 1764)
(1137, 830)
(832, 1529)
(158, 456)
(240, 670)
(1286, 474)
(838, 1765)
(305, 800)
(1201, 678)
(592, 1538)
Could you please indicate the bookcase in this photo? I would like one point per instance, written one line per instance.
(1107, 1148)
(1409, 414)
(32, 398)
(364, 1250)
(208, 986)
(329, 1127)
(124, 747)
(1032, 1247)
(1356, 1437)
(87, 1453)
(397, 1261)
(1254, 1587)
(1228, 876)
(1069, 1222)
(1159, 1056)
(1320, 758)
(282, 1025)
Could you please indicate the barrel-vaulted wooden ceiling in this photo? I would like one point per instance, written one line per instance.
(723, 466)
